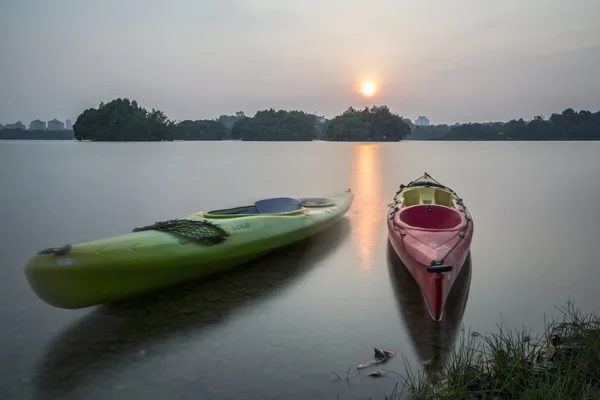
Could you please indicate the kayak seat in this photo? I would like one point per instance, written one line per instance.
(277, 205)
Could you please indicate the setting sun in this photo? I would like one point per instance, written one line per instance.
(368, 89)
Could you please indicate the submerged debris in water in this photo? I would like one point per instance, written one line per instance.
(382, 372)
(381, 356)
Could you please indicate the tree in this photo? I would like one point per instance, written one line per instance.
(377, 124)
(270, 125)
(243, 129)
(123, 120)
(201, 130)
(229, 120)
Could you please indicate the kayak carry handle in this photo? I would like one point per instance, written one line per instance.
(433, 269)
(437, 267)
(57, 251)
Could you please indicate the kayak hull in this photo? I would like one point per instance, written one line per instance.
(431, 230)
(128, 265)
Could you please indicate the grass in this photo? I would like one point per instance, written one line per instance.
(563, 364)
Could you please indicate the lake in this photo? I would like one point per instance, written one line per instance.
(277, 327)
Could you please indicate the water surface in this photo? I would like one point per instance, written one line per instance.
(277, 327)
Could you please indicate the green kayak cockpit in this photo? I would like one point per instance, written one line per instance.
(276, 205)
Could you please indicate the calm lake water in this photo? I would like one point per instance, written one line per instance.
(278, 327)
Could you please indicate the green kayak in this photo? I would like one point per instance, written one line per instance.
(171, 252)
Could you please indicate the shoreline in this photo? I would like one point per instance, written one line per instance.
(563, 363)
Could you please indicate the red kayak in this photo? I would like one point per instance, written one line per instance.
(430, 230)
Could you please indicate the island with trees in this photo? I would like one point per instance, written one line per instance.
(375, 124)
(280, 125)
(125, 120)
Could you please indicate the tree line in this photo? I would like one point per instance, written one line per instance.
(568, 125)
(124, 120)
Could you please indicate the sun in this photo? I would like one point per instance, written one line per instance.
(368, 89)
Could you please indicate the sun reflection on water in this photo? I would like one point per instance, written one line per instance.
(366, 178)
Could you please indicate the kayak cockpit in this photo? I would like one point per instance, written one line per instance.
(276, 205)
(426, 216)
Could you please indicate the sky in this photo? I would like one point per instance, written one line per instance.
(452, 61)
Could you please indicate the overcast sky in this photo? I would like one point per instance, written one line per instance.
(453, 61)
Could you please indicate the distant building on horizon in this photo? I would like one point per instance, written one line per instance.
(37, 125)
(422, 121)
(55, 125)
(17, 125)
(68, 124)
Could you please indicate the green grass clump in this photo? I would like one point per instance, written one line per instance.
(564, 364)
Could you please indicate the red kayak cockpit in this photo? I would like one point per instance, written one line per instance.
(431, 216)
